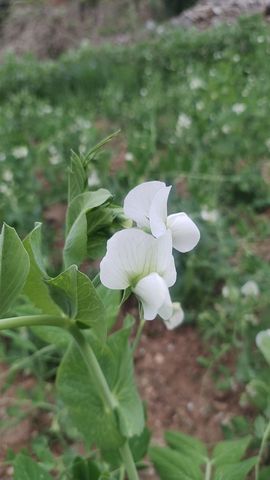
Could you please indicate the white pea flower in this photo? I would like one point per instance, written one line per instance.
(138, 260)
(177, 317)
(210, 216)
(146, 205)
(250, 288)
(20, 152)
(239, 108)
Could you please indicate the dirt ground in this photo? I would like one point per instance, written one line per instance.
(179, 392)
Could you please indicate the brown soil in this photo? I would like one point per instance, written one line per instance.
(180, 393)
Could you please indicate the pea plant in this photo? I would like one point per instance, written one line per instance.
(95, 380)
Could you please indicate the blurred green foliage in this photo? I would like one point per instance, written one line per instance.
(194, 111)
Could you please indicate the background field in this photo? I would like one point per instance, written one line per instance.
(193, 109)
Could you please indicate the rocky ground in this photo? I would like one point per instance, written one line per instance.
(47, 29)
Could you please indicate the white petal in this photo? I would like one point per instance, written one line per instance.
(158, 212)
(152, 292)
(165, 265)
(132, 254)
(185, 234)
(138, 202)
(176, 318)
(166, 309)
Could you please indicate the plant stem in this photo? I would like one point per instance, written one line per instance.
(138, 335)
(261, 451)
(33, 320)
(128, 462)
(105, 393)
(208, 470)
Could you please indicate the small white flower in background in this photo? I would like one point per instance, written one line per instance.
(2, 157)
(129, 157)
(196, 83)
(183, 123)
(177, 317)
(210, 216)
(238, 108)
(20, 152)
(225, 129)
(230, 291)
(93, 179)
(200, 106)
(267, 143)
(146, 205)
(7, 175)
(250, 289)
(136, 259)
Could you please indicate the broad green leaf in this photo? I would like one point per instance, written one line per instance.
(77, 179)
(35, 287)
(74, 292)
(235, 471)
(173, 465)
(187, 445)
(93, 420)
(230, 451)
(263, 342)
(14, 267)
(111, 302)
(75, 249)
(26, 469)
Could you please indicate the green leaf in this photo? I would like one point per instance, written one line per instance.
(235, 471)
(264, 473)
(26, 469)
(75, 249)
(37, 290)
(35, 287)
(93, 420)
(230, 451)
(173, 465)
(14, 267)
(111, 302)
(77, 179)
(75, 294)
(85, 469)
(263, 342)
(187, 445)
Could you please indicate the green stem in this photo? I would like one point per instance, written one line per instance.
(208, 470)
(261, 451)
(34, 320)
(109, 401)
(128, 462)
(138, 335)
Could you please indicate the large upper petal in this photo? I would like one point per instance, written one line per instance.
(132, 254)
(138, 202)
(185, 234)
(153, 292)
(158, 212)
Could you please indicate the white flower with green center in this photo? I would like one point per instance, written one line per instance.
(146, 205)
(138, 260)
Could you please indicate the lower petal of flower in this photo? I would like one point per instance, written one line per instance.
(153, 292)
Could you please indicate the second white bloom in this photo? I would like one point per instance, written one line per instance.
(146, 204)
